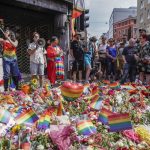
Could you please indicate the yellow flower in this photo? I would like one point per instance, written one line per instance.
(34, 81)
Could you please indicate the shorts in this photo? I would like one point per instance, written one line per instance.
(87, 62)
(144, 68)
(36, 69)
(78, 65)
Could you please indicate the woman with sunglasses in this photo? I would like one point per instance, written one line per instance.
(111, 59)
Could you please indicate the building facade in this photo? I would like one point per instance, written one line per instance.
(48, 17)
(119, 14)
(125, 27)
(143, 14)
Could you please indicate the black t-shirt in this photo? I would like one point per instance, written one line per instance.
(129, 52)
(77, 48)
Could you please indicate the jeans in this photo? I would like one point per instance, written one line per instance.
(129, 69)
(111, 68)
(10, 68)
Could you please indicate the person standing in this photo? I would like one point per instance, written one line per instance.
(55, 66)
(37, 58)
(130, 62)
(77, 53)
(10, 64)
(111, 59)
(144, 59)
(102, 55)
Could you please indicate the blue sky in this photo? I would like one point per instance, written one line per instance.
(100, 11)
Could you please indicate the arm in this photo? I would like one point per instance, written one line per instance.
(123, 55)
(31, 51)
(1, 40)
(14, 43)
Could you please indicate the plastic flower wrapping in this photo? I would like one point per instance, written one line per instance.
(96, 116)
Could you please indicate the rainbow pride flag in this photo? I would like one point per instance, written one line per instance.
(4, 116)
(104, 114)
(44, 122)
(114, 85)
(28, 116)
(86, 127)
(119, 122)
(96, 102)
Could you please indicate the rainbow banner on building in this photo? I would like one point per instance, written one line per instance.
(104, 114)
(119, 122)
(86, 127)
(4, 116)
(96, 102)
(28, 116)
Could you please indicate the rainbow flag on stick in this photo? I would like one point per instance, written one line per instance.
(119, 122)
(28, 116)
(104, 114)
(96, 102)
(4, 116)
(86, 127)
(44, 121)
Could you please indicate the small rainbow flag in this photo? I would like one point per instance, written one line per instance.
(44, 122)
(95, 90)
(103, 117)
(28, 116)
(4, 116)
(96, 102)
(114, 85)
(119, 122)
(86, 127)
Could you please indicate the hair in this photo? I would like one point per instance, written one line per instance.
(53, 39)
(34, 33)
(12, 35)
(144, 36)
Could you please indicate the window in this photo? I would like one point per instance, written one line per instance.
(148, 14)
(141, 18)
(148, 1)
(142, 4)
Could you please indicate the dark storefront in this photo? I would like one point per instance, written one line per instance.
(48, 17)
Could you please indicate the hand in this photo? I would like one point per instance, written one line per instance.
(45, 65)
(6, 35)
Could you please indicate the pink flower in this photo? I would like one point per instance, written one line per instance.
(130, 134)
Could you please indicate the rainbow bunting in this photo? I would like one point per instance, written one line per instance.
(28, 116)
(4, 116)
(96, 102)
(86, 127)
(103, 117)
(119, 122)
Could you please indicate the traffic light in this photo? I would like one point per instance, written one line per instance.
(84, 20)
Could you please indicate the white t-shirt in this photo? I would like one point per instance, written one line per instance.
(38, 56)
(102, 50)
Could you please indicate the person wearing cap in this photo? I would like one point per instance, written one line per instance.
(76, 51)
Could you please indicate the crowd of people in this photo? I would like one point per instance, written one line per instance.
(122, 61)
(94, 60)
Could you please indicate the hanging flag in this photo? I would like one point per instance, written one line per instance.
(78, 8)
(119, 122)
(104, 114)
(4, 116)
(96, 102)
(28, 116)
(86, 127)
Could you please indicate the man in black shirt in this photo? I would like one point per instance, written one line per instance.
(78, 54)
(129, 57)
